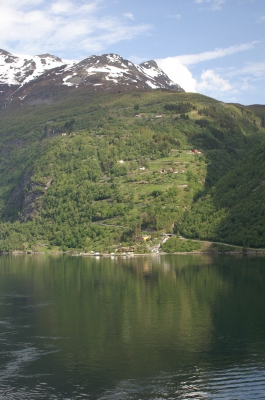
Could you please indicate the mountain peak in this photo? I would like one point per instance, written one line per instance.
(106, 72)
(4, 53)
(50, 56)
(149, 64)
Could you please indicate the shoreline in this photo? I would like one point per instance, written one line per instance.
(82, 254)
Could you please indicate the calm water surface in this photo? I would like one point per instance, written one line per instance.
(171, 327)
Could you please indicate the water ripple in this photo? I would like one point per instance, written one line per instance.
(242, 383)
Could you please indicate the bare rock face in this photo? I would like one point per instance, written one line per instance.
(32, 200)
(28, 196)
(21, 76)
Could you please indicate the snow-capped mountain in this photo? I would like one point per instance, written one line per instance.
(21, 76)
(113, 69)
(17, 70)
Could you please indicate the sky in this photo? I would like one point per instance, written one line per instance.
(213, 47)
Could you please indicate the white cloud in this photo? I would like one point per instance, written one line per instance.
(62, 7)
(256, 70)
(212, 82)
(178, 73)
(213, 4)
(189, 59)
(226, 84)
(129, 15)
(68, 8)
(22, 3)
(230, 82)
(34, 26)
(175, 16)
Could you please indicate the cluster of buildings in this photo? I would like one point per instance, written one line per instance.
(195, 151)
(172, 171)
(157, 116)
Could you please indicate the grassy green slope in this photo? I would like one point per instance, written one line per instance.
(72, 192)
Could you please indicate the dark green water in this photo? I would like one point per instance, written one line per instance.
(171, 327)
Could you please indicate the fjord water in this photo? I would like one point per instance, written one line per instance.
(166, 327)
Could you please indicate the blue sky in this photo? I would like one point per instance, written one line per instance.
(214, 47)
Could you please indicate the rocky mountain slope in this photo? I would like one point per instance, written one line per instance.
(22, 76)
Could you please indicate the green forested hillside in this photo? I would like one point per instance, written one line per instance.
(233, 211)
(91, 171)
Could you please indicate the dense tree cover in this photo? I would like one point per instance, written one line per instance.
(180, 108)
(177, 245)
(114, 175)
(234, 210)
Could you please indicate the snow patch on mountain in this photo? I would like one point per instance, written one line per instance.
(21, 71)
(17, 70)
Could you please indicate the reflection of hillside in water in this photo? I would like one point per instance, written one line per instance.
(118, 319)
